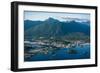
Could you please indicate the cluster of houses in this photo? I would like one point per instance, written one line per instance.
(44, 46)
(56, 44)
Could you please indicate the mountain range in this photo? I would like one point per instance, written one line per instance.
(52, 28)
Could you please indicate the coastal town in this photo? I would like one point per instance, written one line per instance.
(45, 46)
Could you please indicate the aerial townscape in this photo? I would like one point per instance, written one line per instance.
(52, 39)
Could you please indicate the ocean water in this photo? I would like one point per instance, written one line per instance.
(62, 54)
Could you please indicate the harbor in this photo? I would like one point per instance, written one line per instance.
(35, 48)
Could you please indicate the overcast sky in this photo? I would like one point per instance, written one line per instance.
(34, 15)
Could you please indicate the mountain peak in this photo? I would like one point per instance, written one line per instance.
(50, 19)
(54, 28)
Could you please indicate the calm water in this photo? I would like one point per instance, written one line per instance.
(62, 54)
